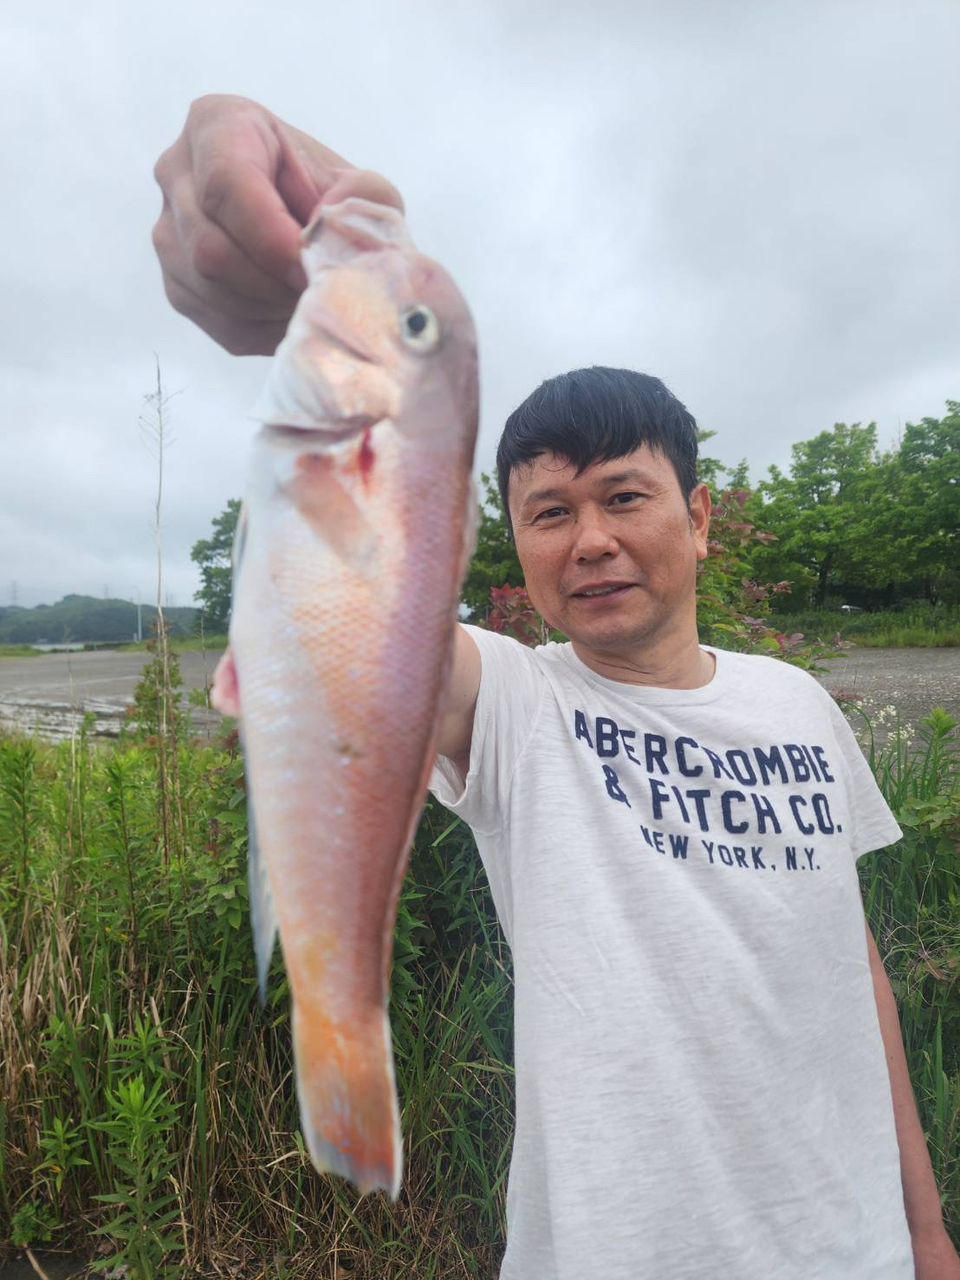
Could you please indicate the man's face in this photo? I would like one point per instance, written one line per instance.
(610, 556)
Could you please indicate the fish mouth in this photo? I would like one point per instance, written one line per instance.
(333, 432)
(363, 224)
(338, 342)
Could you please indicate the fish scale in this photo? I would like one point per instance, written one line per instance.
(357, 525)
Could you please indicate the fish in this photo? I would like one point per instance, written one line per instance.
(352, 545)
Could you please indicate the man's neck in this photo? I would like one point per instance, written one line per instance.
(664, 665)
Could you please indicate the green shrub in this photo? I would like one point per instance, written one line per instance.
(912, 897)
(921, 626)
(147, 1099)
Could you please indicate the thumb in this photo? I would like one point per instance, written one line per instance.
(298, 188)
(365, 184)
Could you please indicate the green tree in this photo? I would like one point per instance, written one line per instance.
(922, 511)
(216, 575)
(157, 699)
(825, 514)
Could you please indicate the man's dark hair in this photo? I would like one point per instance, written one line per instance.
(594, 415)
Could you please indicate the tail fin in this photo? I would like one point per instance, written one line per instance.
(348, 1100)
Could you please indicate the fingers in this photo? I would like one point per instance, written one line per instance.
(228, 246)
(209, 279)
(239, 204)
(217, 258)
(243, 326)
(208, 260)
(240, 336)
(299, 185)
(238, 185)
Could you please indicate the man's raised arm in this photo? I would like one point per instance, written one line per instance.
(455, 731)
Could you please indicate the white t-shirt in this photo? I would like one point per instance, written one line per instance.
(702, 1090)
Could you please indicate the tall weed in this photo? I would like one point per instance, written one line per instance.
(912, 898)
(20, 798)
(146, 1099)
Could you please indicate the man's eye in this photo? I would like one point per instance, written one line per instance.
(550, 513)
(622, 499)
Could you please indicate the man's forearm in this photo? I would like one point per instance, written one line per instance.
(920, 1195)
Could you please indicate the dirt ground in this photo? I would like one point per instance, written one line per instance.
(53, 1266)
(913, 681)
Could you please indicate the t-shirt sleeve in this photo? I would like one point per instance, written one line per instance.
(874, 826)
(508, 705)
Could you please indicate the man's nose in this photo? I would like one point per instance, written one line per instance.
(594, 537)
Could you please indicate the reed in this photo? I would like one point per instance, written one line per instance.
(918, 626)
(912, 896)
(147, 1112)
(146, 1100)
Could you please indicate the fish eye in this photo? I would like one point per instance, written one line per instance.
(419, 329)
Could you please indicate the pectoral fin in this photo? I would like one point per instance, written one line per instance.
(225, 691)
(332, 512)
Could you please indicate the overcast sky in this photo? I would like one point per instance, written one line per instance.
(755, 201)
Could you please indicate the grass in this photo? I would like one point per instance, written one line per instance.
(182, 644)
(912, 897)
(921, 626)
(146, 1100)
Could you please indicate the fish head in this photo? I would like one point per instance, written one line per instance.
(378, 327)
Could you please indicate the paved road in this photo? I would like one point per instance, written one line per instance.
(49, 693)
(913, 681)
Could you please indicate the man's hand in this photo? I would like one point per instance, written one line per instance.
(238, 185)
(934, 1257)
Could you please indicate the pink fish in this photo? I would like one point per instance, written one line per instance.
(353, 543)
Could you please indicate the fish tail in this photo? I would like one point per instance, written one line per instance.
(348, 1100)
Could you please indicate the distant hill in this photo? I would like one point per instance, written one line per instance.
(86, 619)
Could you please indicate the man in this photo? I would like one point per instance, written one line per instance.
(710, 1074)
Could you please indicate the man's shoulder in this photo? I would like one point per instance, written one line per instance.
(516, 676)
(507, 648)
(761, 671)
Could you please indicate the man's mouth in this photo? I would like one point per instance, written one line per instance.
(602, 589)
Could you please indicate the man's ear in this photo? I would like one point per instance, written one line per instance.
(699, 505)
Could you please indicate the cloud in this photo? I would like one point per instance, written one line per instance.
(755, 202)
